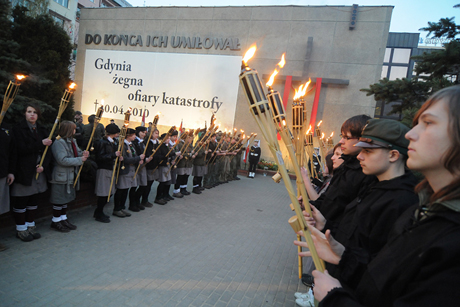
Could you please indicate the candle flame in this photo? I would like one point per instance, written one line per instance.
(249, 54)
(282, 62)
(72, 85)
(20, 77)
(272, 78)
(319, 124)
(284, 122)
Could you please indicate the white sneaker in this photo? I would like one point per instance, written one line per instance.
(305, 302)
(301, 295)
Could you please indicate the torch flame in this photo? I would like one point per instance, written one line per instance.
(20, 77)
(249, 54)
(332, 134)
(282, 62)
(322, 135)
(72, 86)
(102, 102)
(319, 124)
(309, 130)
(272, 78)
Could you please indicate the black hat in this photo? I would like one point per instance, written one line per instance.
(384, 133)
(112, 129)
(175, 132)
(163, 136)
(141, 129)
(130, 131)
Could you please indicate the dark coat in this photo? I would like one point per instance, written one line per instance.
(369, 218)
(156, 157)
(7, 151)
(209, 157)
(130, 160)
(105, 154)
(346, 184)
(28, 149)
(419, 265)
(185, 153)
(254, 155)
(199, 158)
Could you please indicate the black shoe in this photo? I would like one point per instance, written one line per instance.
(196, 190)
(208, 187)
(160, 202)
(140, 206)
(24, 235)
(236, 178)
(184, 191)
(33, 231)
(59, 227)
(201, 188)
(103, 219)
(169, 197)
(102, 214)
(134, 208)
(68, 224)
(178, 195)
(147, 205)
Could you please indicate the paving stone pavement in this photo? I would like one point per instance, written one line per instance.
(229, 246)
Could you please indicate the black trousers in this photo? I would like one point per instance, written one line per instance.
(252, 166)
(181, 180)
(120, 199)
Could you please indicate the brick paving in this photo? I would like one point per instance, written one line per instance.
(229, 246)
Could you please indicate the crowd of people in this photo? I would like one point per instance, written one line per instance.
(388, 238)
(211, 158)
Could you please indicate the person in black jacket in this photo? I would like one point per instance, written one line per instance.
(348, 179)
(254, 157)
(142, 179)
(31, 139)
(163, 175)
(106, 153)
(7, 164)
(367, 220)
(419, 264)
(126, 179)
(152, 164)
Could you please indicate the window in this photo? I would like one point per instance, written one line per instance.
(58, 21)
(386, 58)
(384, 72)
(64, 3)
(401, 55)
(398, 72)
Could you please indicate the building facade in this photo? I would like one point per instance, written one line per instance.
(340, 48)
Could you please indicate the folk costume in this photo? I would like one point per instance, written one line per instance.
(173, 170)
(29, 144)
(106, 150)
(254, 157)
(68, 158)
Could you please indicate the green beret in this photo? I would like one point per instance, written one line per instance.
(384, 133)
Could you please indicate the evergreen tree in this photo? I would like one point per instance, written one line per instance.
(434, 71)
(47, 49)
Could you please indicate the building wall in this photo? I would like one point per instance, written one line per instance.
(69, 13)
(337, 52)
